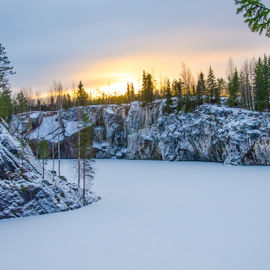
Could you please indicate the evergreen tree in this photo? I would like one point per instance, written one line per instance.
(6, 69)
(86, 142)
(168, 104)
(211, 85)
(222, 87)
(52, 103)
(132, 92)
(177, 92)
(69, 102)
(21, 102)
(233, 89)
(128, 92)
(201, 89)
(256, 14)
(81, 95)
(147, 93)
(261, 86)
(64, 101)
(6, 106)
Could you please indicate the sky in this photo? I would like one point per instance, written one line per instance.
(107, 43)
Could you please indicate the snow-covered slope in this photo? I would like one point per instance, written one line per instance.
(22, 190)
(210, 133)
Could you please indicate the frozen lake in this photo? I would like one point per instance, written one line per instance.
(153, 216)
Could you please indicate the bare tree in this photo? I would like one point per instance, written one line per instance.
(187, 80)
(58, 88)
(79, 144)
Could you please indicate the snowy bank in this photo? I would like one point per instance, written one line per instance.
(23, 192)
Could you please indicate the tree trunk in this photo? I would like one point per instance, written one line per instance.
(58, 142)
(79, 147)
(53, 168)
(84, 176)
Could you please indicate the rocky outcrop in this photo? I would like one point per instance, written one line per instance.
(210, 133)
(23, 192)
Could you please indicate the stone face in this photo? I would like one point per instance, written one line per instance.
(23, 192)
(210, 133)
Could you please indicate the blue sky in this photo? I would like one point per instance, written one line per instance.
(105, 42)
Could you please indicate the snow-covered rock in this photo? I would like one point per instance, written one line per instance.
(23, 192)
(210, 133)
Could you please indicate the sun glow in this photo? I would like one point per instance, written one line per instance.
(114, 89)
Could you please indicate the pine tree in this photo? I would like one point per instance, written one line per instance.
(5, 69)
(168, 103)
(6, 107)
(211, 85)
(201, 88)
(177, 92)
(147, 93)
(69, 102)
(233, 89)
(81, 95)
(256, 14)
(132, 92)
(128, 93)
(86, 150)
(261, 86)
(21, 102)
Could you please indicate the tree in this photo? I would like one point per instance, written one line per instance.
(81, 95)
(6, 106)
(211, 85)
(256, 15)
(222, 87)
(5, 69)
(86, 143)
(79, 144)
(177, 92)
(168, 94)
(233, 89)
(44, 153)
(21, 102)
(58, 89)
(147, 93)
(261, 84)
(246, 87)
(130, 94)
(201, 88)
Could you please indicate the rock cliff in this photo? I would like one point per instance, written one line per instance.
(210, 133)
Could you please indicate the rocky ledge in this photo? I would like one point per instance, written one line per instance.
(210, 133)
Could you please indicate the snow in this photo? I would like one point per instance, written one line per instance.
(153, 216)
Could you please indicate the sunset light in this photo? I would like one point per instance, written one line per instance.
(153, 117)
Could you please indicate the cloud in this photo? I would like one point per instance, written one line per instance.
(69, 40)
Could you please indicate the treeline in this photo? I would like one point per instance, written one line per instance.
(246, 87)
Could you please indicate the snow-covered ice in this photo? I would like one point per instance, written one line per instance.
(153, 216)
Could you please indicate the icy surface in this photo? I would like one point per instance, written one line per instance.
(153, 216)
